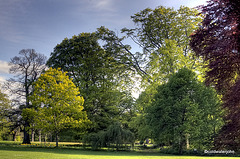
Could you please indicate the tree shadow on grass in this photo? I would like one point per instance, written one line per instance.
(73, 151)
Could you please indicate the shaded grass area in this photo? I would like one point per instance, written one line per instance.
(78, 145)
(41, 144)
(16, 151)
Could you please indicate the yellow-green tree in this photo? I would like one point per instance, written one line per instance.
(5, 108)
(57, 103)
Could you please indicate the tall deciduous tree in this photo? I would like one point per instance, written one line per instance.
(163, 33)
(26, 67)
(102, 73)
(217, 41)
(57, 103)
(184, 109)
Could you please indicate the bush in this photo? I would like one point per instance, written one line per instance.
(18, 138)
(115, 135)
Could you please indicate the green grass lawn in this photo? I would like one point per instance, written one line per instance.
(23, 152)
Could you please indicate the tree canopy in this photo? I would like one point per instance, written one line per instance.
(217, 42)
(26, 67)
(183, 106)
(102, 74)
(57, 103)
(163, 34)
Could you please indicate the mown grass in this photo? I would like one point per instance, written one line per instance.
(17, 151)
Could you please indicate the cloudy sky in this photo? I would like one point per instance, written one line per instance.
(42, 24)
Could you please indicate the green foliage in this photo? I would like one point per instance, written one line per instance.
(117, 135)
(163, 33)
(102, 74)
(184, 107)
(71, 135)
(139, 123)
(114, 136)
(140, 127)
(57, 103)
(4, 104)
(5, 122)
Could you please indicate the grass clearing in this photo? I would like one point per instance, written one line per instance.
(23, 152)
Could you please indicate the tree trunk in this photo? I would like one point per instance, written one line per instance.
(40, 136)
(33, 133)
(51, 137)
(132, 145)
(117, 146)
(187, 141)
(181, 143)
(14, 136)
(56, 139)
(26, 138)
(45, 138)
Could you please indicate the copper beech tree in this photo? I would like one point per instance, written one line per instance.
(217, 41)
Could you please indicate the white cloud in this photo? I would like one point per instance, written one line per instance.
(4, 71)
(95, 7)
(2, 79)
(4, 68)
(103, 5)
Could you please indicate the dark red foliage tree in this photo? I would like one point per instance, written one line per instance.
(217, 41)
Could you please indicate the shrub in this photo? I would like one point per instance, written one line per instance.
(115, 135)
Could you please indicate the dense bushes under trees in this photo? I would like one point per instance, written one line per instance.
(114, 137)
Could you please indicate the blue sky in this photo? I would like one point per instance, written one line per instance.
(42, 24)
